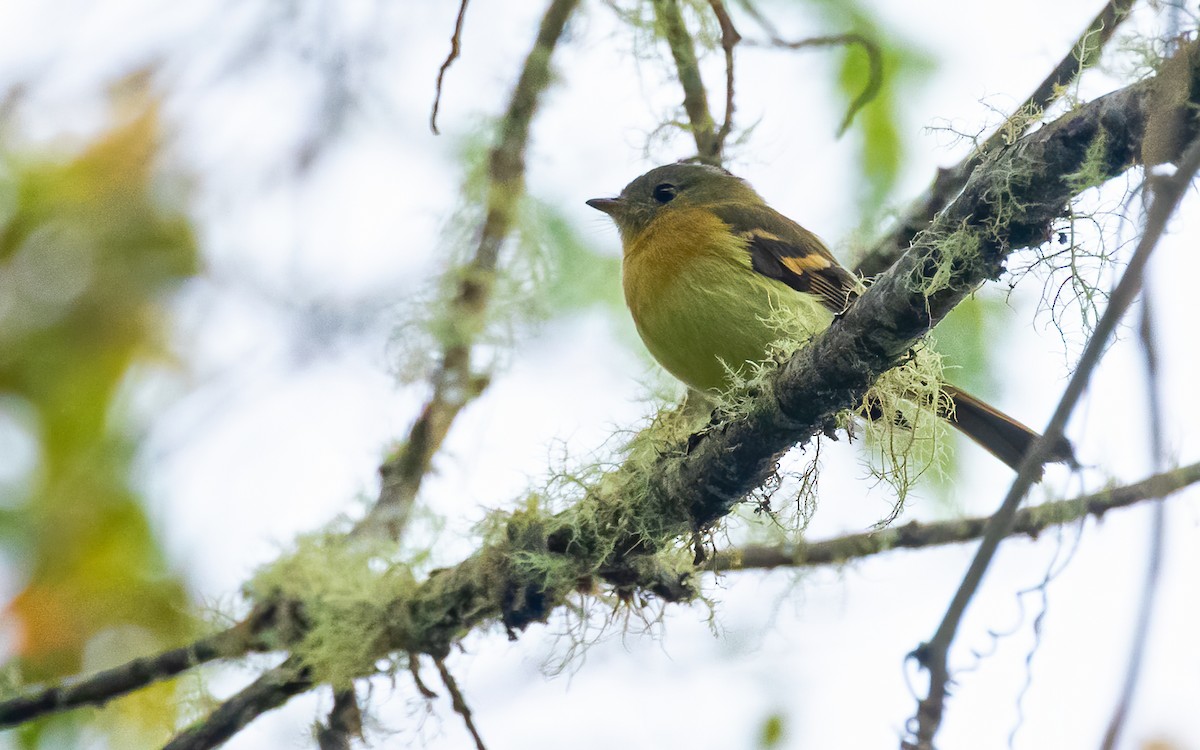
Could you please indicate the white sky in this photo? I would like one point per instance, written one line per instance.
(280, 430)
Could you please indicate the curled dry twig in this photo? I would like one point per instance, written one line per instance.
(455, 47)
(729, 39)
(874, 67)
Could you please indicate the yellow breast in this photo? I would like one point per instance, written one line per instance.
(698, 304)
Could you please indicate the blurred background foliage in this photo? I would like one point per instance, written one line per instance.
(90, 251)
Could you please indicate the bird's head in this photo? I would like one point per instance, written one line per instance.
(671, 187)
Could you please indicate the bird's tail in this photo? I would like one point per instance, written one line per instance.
(999, 434)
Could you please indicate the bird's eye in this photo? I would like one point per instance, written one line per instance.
(664, 192)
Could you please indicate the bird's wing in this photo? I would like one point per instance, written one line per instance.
(783, 250)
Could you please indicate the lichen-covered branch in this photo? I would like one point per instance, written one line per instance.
(1029, 522)
(685, 483)
(455, 383)
(1008, 204)
(1083, 54)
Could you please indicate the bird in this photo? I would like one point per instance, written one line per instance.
(707, 264)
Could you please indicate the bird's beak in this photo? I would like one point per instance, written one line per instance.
(609, 206)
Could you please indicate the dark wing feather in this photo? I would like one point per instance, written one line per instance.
(783, 250)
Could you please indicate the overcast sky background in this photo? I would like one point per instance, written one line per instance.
(291, 401)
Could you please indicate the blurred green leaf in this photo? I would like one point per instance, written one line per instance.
(773, 731)
(968, 339)
(89, 253)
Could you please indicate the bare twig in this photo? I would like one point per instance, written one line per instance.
(933, 654)
(1083, 54)
(729, 39)
(459, 702)
(695, 97)
(1028, 522)
(345, 722)
(414, 668)
(98, 689)
(455, 383)
(455, 40)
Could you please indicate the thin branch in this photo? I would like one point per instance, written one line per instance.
(414, 668)
(1141, 632)
(933, 654)
(695, 97)
(100, 688)
(459, 702)
(269, 691)
(455, 40)
(1029, 522)
(729, 39)
(455, 384)
(345, 722)
(1083, 54)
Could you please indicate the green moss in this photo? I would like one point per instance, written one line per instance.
(340, 587)
(613, 534)
(1019, 122)
(1093, 170)
(795, 319)
(951, 252)
(909, 435)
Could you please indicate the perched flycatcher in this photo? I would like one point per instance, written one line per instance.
(708, 265)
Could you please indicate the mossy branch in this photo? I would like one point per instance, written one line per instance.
(103, 687)
(1009, 203)
(455, 384)
(1083, 54)
(1029, 522)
